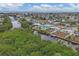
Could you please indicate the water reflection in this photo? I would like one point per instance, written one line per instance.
(44, 37)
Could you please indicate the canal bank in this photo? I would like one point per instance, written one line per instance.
(67, 43)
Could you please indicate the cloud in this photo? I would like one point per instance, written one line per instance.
(46, 5)
(54, 8)
(69, 7)
(74, 5)
(44, 8)
(61, 5)
(10, 6)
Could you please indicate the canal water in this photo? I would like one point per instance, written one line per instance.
(45, 37)
(15, 22)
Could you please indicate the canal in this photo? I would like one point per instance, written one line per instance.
(15, 23)
(44, 36)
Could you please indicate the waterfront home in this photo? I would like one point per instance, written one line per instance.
(76, 33)
(67, 39)
(49, 21)
(60, 34)
(55, 28)
(71, 29)
(36, 24)
(43, 21)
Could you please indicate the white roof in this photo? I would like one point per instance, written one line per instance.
(36, 24)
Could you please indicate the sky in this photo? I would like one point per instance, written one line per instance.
(39, 7)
